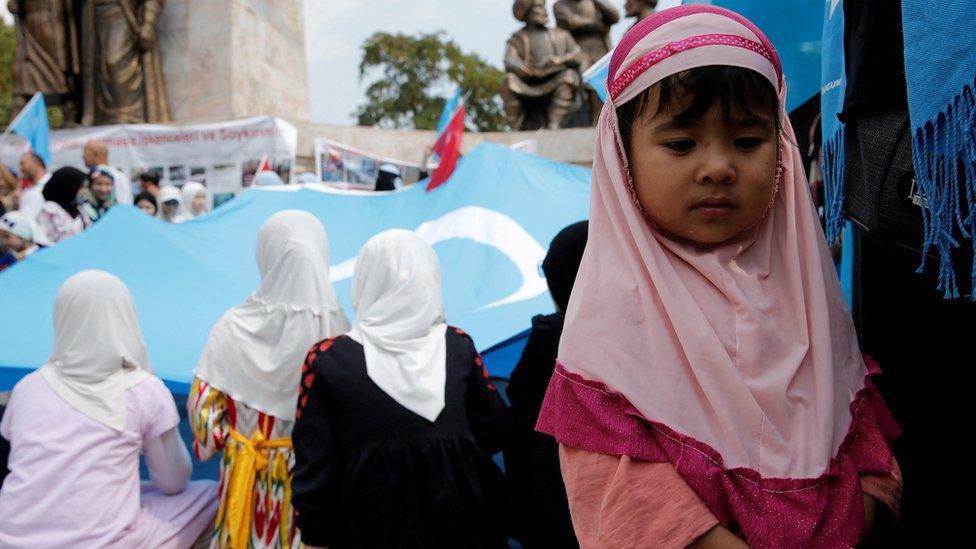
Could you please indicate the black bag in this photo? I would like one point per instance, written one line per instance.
(880, 179)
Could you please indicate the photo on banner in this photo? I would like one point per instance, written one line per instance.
(340, 164)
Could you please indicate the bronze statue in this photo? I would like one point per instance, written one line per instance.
(541, 67)
(47, 54)
(122, 80)
(589, 22)
(639, 9)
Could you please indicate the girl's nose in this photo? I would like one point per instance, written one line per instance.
(716, 168)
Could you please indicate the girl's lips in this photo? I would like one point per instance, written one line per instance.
(714, 207)
(715, 210)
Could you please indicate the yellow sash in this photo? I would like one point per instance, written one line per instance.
(250, 456)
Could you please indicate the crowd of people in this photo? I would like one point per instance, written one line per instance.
(700, 384)
(40, 207)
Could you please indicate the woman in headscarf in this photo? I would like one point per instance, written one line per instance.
(60, 217)
(171, 205)
(246, 388)
(196, 199)
(77, 427)
(532, 458)
(388, 178)
(397, 421)
(101, 182)
(147, 203)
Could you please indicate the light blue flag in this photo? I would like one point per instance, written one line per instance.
(596, 76)
(795, 28)
(486, 225)
(32, 124)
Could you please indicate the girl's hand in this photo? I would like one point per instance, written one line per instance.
(870, 511)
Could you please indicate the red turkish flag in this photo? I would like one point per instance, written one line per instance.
(448, 147)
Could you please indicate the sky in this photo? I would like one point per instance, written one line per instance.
(336, 29)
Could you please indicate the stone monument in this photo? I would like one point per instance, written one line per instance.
(227, 59)
(639, 9)
(542, 73)
(47, 57)
(121, 73)
(132, 61)
(589, 22)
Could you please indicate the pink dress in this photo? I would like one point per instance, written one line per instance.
(74, 482)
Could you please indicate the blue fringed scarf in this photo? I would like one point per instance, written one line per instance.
(940, 68)
(833, 84)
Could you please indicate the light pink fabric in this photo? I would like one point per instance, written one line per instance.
(74, 482)
(748, 347)
(54, 224)
(616, 501)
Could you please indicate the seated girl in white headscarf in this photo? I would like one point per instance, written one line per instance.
(77, 426)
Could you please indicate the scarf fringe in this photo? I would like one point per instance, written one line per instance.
(943, 150)
(833, 174)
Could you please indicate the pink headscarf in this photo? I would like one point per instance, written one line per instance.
(741, 361)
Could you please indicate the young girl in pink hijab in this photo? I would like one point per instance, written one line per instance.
(709, 389)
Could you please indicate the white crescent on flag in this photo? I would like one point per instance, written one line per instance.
(487, 227)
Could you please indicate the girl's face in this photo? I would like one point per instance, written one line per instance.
(705, 179)
(200, 203)
(171, 207)
(101, 188)
(147, 207)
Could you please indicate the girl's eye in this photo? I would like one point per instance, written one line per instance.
(748, 143)
(680, 145)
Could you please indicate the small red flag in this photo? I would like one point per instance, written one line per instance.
(264, 165)
(448, 148)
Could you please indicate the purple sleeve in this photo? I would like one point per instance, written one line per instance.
(157, 407)
(168, 462)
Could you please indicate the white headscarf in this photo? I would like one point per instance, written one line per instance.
(396, 291)
(98, 347)
(256, 349)
(166, 194)
(190, 191)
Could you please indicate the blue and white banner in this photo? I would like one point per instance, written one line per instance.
(490, 225)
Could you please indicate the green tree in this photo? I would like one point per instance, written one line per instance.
(8, 49)
(411, 71)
